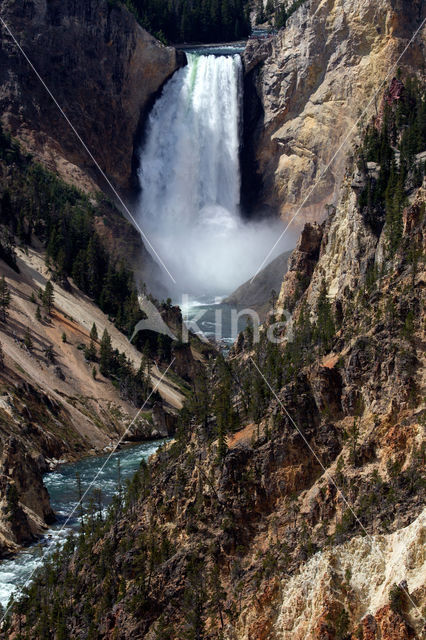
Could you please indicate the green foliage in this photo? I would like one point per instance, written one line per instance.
(133, 386)
(106, 355)
(48, 297)
(28, 341)
(12, 500)
(260, 12)
(38, 203)
(227, 419)
(325, 328)
(217, 594)
(276, 12)
(396, 598)
(4, 299)
(194, 600)
(402, 130)
(281, 17)
(193, 20)
(94, 333)
(341, 624)
(90, 352)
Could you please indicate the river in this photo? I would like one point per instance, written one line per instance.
(62, 487)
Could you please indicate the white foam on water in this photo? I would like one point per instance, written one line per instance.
(190, 179)
(62, 487)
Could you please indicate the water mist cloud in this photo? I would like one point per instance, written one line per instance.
(219, 252)
(190, 180)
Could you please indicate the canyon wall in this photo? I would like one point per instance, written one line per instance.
(307, 87)
(104, 71)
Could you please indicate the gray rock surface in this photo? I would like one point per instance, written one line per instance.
(256, 295)
(104, 71)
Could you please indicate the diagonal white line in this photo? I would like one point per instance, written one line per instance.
(102, 172)
(349, 136)
(330, 477)
(99, 471)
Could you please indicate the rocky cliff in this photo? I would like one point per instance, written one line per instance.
(306, 89)
(257, 294)
(52, 408)
(102, 68)
(290, 505)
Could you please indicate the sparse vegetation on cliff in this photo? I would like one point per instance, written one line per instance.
(394, 142)
(34, 203)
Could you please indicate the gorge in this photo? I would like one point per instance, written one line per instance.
(288, 500)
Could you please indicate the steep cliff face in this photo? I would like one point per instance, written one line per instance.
(102, 68)
(306, 521)
(51, 406)
(306, 88)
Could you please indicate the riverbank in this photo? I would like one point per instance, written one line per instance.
(101, 477)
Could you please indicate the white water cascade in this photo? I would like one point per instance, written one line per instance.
(190, 179)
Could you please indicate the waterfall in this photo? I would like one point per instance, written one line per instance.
(190, 178)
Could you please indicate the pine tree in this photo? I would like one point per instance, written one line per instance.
(48, 297)
(216, 602)
(281, 17)
(94, 333)
(106, 354)
(260, 14)
(1, 357)
(269, 9)
(325, 320)
(90, 352)
(4, 299)
(28, 342)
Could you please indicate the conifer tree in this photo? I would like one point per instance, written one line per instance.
(48, 297)
(28, 341)
(216, 602)
(4, 299)
(90, 352)
(325, 320)
(281, 17)
(106, 354)
(94, 333)
(269, 9)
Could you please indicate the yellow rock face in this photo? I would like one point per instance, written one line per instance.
(317, 88)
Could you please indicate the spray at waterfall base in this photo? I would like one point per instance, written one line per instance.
(190, 181)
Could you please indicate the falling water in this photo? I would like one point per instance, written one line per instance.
(190, 179)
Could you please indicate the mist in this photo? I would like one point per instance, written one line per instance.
(218, 253)
(190, 182)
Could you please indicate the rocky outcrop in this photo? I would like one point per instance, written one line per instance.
(162, 424)
(25, 502)
(348, 582)
(307, 87)
(301, 265)
(102, 68)
(256, 294)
